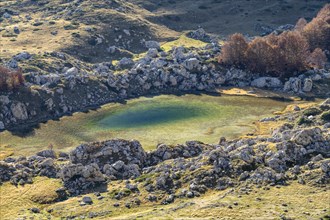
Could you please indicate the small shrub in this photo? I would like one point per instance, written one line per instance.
(276, 55)
(312, 111)
(301, 24)
(317, 31)
(295, 50)
(304, 121)
(326, 116)
(284, 54)
(9, 79)
(317, 59)
(234, 51)
(262, 56)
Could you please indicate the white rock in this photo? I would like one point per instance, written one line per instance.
(72, 71)
(127, 32)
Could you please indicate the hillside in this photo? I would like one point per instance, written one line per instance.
(146, 109)
(102, 30)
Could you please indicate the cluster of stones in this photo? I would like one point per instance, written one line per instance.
(180, 70)
(294, 151)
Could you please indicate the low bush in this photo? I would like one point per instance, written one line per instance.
(275, 55)
(317, 32)
(10, 79)
(234, 51)
(317, 59)
(326, 116)
(304, 121)
(312, 111)
(262, 56)
(284, 54)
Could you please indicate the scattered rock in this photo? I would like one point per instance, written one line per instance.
(35, 210)
(87, 200)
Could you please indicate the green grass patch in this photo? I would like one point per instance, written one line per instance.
(144, 177)
(184, 41)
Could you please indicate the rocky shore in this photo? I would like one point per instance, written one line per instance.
(298, 149)
(77, 87)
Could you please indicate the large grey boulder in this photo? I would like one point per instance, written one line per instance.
(267, 82)
(78, 178)
(12, 64)
(49, 78)
(152, 52)
(307, 136)
(109, 152)
(308, 85)
(198, 34)
(19, 111)
(22, 56)
(47, 154)
(192, 64)
(152, 44)
(294, 84)
(178, 53)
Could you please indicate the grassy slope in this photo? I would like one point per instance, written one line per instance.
(149, 19)
(226, 17)
(104, 20)
(295, 201)
(16, 200)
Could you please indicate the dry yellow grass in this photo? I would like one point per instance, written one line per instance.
(295, 201)
(14, 201)
(38, 39)
(183, 40)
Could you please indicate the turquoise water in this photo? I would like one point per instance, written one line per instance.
(162, 119)
(151, 113)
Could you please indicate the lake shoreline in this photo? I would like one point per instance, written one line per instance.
(145, 119)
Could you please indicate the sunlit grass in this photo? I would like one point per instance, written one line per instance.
(301, 202)
(184, 41)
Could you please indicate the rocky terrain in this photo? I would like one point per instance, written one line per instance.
(179, 70)
(80, 54)
(296, 151)
(60, 80)
(99, 31)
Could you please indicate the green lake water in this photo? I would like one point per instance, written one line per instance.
(162, 119)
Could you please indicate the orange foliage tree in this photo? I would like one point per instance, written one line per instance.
(317, 31)
(234, 51)
(9, 79)
(284, 54)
